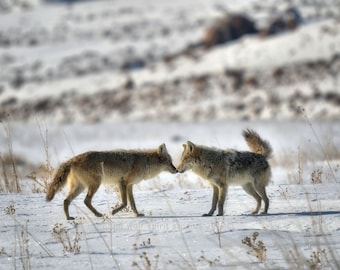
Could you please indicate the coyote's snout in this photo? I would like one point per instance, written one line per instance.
(124, 168)
(230, 167)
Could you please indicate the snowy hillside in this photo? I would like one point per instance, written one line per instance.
(113, 61)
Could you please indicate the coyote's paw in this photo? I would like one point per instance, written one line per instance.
(207, 215)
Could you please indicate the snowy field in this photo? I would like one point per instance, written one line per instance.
(99, 75)
(301, 230)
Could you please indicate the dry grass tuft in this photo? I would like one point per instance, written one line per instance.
(70, 244)
(41, 178)
(258, 248)
(145, 262)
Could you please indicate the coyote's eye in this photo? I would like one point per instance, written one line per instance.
(187, 161)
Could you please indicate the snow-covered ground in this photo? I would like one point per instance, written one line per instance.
(173, 235)
(303, 218)
(99, 75)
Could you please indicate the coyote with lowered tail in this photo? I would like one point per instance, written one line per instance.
(230, 167)
(123, 167)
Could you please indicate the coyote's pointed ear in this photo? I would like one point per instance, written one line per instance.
(184, 146)
(191, 146)
(162, 149)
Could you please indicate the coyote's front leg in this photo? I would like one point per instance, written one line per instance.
(214, 202)
(132, 201)
(222, 193)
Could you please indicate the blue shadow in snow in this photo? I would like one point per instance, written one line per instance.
(312, 213)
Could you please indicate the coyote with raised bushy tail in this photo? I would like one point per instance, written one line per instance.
(124, 168)
(230, 167)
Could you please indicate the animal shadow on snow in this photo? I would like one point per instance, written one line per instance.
(306, 213)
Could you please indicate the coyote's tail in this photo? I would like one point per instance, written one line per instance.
(59, 180)
(257, 144)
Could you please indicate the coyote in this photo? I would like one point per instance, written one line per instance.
(230, 167)
(124, 167)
